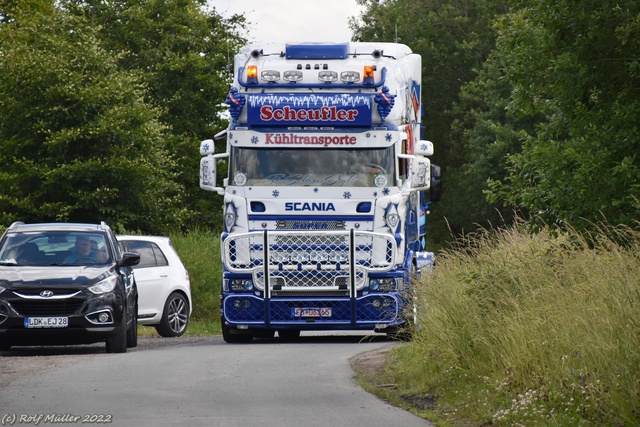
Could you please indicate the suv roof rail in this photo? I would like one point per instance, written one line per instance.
(16, 223)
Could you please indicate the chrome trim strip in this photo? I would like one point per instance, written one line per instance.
(38, 297)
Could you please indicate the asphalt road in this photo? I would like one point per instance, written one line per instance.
(196, 382)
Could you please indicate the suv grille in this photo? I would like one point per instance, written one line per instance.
(64, 307)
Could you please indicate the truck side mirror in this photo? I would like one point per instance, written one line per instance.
(421, 173)
(208, 173)
(207, 147)
(435, 192)
(423, 148)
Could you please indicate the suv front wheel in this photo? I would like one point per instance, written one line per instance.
(117, 343)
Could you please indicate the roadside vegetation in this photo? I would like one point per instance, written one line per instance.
(526, 330)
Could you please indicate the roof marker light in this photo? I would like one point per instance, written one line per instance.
(252, 74)
(368, 74)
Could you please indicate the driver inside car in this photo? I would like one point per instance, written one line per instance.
(83, 251)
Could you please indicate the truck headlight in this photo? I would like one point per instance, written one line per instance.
(383, 285)
(239, 285)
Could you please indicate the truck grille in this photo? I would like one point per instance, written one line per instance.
(310, 261)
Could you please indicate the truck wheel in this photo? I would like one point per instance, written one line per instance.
(235, 336)
(288, 334)
(264, 333)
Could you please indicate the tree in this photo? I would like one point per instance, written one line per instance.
(78, 141)
(182, 52)
(574, 66)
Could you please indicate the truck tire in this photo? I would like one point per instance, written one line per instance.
(289, 334)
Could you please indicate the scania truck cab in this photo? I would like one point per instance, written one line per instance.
(327, 189)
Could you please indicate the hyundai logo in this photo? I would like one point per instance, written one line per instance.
(46, 294)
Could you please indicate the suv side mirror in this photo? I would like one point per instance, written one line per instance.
(129, 259)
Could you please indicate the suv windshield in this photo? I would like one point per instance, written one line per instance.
(54, 248)
(318, 168)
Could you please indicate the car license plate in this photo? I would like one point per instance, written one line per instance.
(46, 322)
(311, 312)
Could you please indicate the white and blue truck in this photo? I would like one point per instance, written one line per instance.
(327, 189)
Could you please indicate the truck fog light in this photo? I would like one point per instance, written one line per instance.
(237, 303)
(376, 303)
(247, 303)
(103, 318)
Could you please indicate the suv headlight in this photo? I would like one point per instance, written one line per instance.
(104, 286)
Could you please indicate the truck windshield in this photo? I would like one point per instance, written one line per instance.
(373, 167)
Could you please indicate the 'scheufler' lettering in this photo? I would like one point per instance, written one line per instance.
(323, 114)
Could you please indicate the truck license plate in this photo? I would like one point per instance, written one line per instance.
(311, 312)
(46, 322)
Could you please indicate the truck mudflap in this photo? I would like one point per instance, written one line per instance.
(312, 280)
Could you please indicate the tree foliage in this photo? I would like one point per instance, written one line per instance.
(182, 52)
(79, 142)
(102, 108)
(574, 66)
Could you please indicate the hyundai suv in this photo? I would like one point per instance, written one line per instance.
(65, 283)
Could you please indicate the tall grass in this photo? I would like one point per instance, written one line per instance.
(200, 253)
(526, 330)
